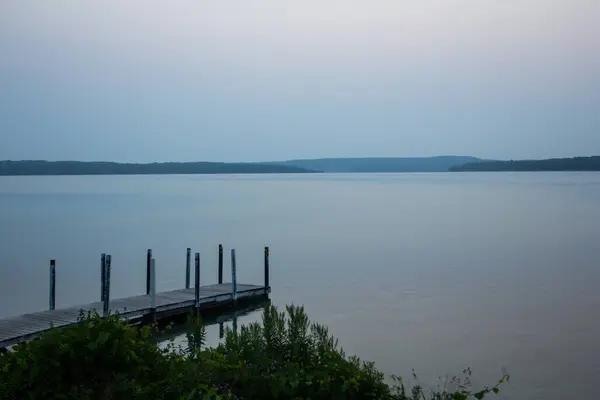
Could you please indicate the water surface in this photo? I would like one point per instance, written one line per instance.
(428, 271)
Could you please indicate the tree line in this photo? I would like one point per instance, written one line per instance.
(113, 168)
(554, 164)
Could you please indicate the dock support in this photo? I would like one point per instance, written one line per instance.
(267, 284)
(106, 300)
(153, 286)
(188, 260)
(197, 282)
(52, 298)
(148, 258)
(221, 330)
(234, 324)
(233, 276)
(220, 264)
(102, 275)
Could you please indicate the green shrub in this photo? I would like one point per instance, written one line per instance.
(87, 360)
(284, 357)
(288, 357)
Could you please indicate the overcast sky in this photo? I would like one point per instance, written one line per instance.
(253, 80)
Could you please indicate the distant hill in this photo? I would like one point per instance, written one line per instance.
(111, 168)
(380, 164)
(554, 164)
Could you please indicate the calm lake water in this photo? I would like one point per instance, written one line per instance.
(434, 272)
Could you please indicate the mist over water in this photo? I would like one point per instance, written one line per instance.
(434, 272)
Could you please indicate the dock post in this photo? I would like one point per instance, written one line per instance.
(148, 258)
(220, 264)
(197, 282)
(106, 300)
(233, 276)
(234, 323)
(102, 275)
(267, 285)
(52, 298)
(188, 260)
(221, 330)
(153, 287)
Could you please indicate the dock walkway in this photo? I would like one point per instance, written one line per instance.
(152, 306)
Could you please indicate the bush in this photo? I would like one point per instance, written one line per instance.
(284, 357)
(288, 357)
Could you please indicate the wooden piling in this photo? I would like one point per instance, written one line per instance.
(102, 275)
(148, 258)
(153, 286)
(106, 302)
(197, 282)
(220, 264)
(267, 284)
(52, 296)
(234, 323)
(233, 276)
(188, 260)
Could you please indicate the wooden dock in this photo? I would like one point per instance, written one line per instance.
(219, 297)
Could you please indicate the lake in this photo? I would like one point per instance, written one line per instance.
(434, 272)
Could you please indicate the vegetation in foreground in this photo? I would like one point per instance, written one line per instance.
(284, 357)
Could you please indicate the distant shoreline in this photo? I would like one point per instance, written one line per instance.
(575, 164)
(305, 166)
(63, 168)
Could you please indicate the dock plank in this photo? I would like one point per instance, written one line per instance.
(24, 327)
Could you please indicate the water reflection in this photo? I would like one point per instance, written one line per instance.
(214, 325)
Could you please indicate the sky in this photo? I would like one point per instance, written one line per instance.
(222, 80)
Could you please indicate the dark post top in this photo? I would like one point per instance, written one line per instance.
(197, 281)
(148, 258)
(102, 275)
(233, 275)
(267, 284)
(187, 267)
(52, 284)
(107, 264)
(153, 285)
(220, 264)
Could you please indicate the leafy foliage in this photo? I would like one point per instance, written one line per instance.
(284, 357)
(91, 359)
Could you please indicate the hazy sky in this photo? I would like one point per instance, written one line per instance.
(272, 79)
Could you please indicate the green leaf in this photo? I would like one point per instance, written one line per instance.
(103, 338)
